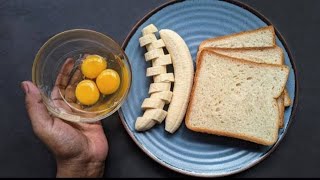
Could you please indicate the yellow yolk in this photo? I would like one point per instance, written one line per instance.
(87, 92)
(108, 81)
(93, 65)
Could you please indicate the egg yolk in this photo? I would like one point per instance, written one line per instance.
(93, 65)
(108, 81)
(87, 92)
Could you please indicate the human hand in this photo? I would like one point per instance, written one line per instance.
(80, 149)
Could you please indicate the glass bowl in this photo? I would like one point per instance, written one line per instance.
(55, 55)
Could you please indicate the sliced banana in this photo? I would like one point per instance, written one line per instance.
(166, 96)
(153, 54)
(152, 103)
(148, 39)
(183, 73)
(150, 29)
(162, 60)
(158, 87)
(157, 70)
(155, 45)
(157, 115)
(143, 124)
(167, 77)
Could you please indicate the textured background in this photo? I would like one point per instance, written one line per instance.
(26, 25)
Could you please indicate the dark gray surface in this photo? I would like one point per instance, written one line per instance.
(26, 25)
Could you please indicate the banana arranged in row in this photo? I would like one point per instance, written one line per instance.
(179, 55)
(159, 91)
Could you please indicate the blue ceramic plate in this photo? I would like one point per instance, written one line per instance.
(185, 151)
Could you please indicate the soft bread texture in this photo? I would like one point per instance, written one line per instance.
(263, 37)
(287, 100)
(281, 106)
(241, 103)
(268, 55)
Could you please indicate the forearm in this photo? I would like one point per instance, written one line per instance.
(81, 170)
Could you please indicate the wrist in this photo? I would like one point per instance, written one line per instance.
(75, 168)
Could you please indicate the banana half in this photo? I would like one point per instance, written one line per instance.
(183, 74)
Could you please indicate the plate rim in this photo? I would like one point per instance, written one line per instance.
(294, 104)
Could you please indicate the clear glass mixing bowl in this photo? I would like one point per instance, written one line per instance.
(75, 43)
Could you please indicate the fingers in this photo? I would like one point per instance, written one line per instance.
(63, 76)
(38, 113)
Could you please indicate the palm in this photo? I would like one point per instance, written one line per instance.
(71, 140)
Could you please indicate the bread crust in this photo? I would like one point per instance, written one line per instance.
(280, 102)
(221, 133)
(270, 28)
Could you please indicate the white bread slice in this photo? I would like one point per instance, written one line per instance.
(242, 101)
(263, 37)
(287, 100)
(280, 102)
(268, 55)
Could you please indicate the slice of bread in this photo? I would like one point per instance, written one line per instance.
(280, 102)
(263, 37)
(287, 100)
(241, 103)
(268, 55)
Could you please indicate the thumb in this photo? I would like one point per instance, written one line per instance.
(38, 113)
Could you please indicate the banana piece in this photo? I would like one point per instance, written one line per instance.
(157, 115)
(162, 60)
(158, 87)
(153, 54)
(155, 45)
(157, 70)
(150, 29)
(166, 96)
(183, 72)
(167, 77)
(143, 124)
(148, 39)
(152, 103)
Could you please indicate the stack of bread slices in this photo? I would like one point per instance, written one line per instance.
(239, 87)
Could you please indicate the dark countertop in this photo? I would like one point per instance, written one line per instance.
(26, 25)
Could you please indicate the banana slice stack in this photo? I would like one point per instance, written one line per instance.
(159, 91)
